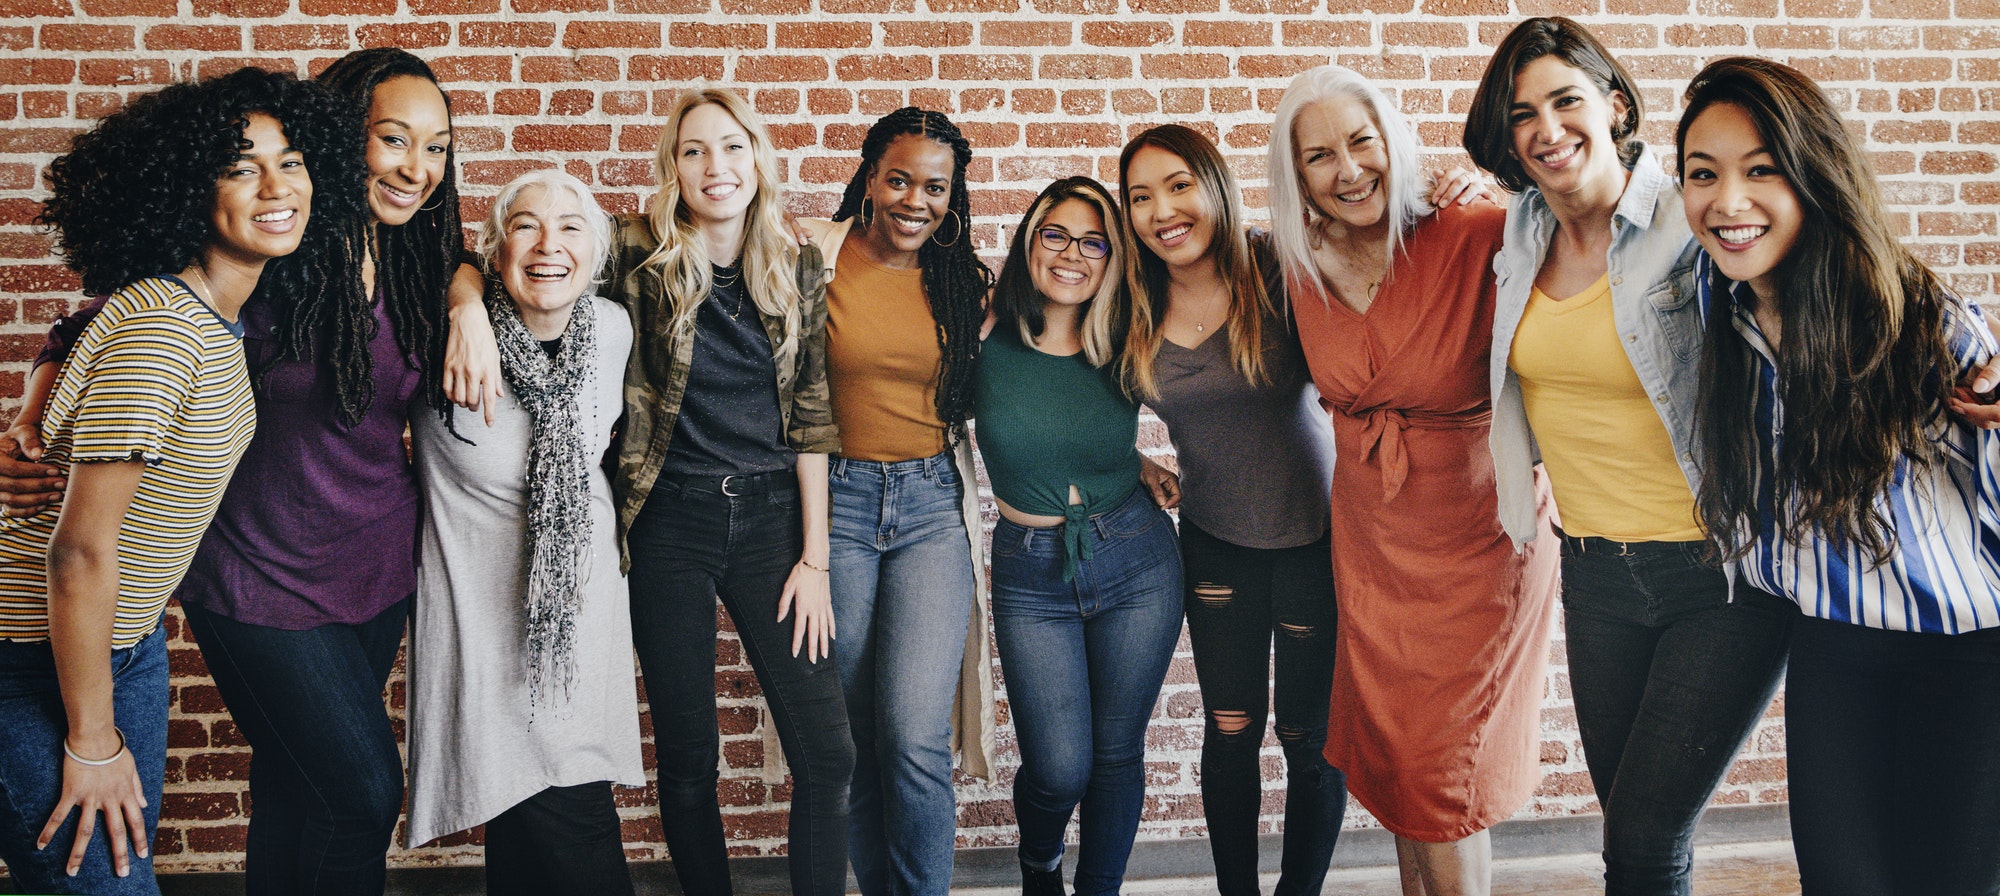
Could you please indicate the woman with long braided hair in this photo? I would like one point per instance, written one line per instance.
(299, 592)
(904, 305)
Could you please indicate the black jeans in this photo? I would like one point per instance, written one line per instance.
(1893, 741)
(326, 780)
(1239, 601)
(564, 841)
(1669, 676)
(690, 544)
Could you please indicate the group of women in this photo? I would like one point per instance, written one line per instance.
(1386, 397)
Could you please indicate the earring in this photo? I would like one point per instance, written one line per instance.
(433, 207)
(867, 214)
(957, 234)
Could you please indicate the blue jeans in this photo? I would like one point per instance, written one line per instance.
(1893, 740)
(1669, 676)
(1239, 602)
(691, 544)
(902, 600)
(326, 780)
(1084, 661)
(32, 728)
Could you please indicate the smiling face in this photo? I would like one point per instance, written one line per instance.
(716, 164)
(545, 246)
(263, 199)
(1739, 205)
(409, 141)
(1069, 276)
(1562, 128)
(910, 191)
(1343, 162)
(1167, 209)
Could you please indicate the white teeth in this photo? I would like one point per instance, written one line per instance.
(719, 191)
(909, 225)
(273, 217)
(1067, 276)
(1361, 195)
(1173, 233)
(1739, 234)
(1559, 155)
(546, 271)
(399, 194)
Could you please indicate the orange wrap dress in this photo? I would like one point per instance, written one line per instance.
(1444, 628)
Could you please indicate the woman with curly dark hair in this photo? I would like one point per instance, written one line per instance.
(299, 594)
(1836, 479)
(177, 205)
(904, 304)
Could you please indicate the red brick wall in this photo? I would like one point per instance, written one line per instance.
(1043, 88)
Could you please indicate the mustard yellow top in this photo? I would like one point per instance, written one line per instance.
(1608, 456)
(882, 361)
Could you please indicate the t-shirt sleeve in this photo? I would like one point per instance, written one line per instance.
(133, 387)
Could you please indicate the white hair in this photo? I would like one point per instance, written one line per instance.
(1292, 208)
(554, 182)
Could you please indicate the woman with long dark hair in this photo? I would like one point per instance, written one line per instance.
(180, 207)
(299, 591)
(1834, 477)
(904, 302)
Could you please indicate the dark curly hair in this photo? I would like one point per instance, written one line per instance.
(955, 280)
(413, 263)
(133, 197)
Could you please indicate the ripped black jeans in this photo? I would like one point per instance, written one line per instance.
(1240, 603)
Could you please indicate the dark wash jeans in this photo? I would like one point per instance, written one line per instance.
(1893, 741)
(33, 726)
(1084, 661)
(1239, 602)
(1669, 676)
(564, 841)
(326, 780)
(689, 545)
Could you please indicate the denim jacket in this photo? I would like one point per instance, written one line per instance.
(1652, 299)
(657, 374)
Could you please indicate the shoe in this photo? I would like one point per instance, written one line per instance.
(1035, 882)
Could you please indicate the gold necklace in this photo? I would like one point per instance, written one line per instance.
(209, 299)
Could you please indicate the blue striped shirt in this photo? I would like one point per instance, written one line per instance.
(1943, 576)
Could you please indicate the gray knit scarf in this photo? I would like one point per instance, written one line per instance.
(551, 390)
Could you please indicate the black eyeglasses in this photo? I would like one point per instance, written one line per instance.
(1057, 240)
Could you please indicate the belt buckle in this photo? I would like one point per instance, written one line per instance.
(725, 485)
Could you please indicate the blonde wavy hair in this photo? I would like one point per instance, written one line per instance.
(681, 261)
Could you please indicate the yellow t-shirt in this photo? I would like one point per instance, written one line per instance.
(882, 360)
(1609, 458)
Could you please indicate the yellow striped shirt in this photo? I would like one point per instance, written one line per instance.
(157, 377)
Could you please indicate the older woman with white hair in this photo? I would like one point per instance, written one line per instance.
(1444, 628)
(523, 710)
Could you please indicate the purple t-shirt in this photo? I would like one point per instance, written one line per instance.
(319, 524)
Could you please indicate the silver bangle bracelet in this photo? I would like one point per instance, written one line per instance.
(105, 761)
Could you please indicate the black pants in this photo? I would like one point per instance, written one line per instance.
(1893, 741)
(690, 544)
(1239, 602)
(564, 841)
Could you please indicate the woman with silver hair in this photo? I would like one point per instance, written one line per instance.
(1443, 635)
(513, 723)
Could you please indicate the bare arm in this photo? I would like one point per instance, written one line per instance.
(807, 587)
(83, 602)
(471, 372)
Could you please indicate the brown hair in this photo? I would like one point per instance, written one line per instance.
(1489, 126)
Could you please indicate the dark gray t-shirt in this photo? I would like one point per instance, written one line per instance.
(729, 421)
(1256, 461)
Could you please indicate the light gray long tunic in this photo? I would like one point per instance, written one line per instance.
(477, 744)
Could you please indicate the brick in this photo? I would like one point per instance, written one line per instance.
(1979, 132)
(1073, 134)
(929, 35)
(989, 135)
(1203, 33)
(766, 7)
(868, 7)
(29, 9)
(37, 71)
(1184, 67)
(92, 106)
(1074, 7)
(602, 35)
(1916, 193)
(210, 38)
(1229, 99)
(674, 69)
(1955, 162)
(17, 37)
(1911, 132)
(242, 9)
(1912, 9)
(1426, 34)
(985, 67)
(1881, 38)
(473, 68)
(1174, 7)
(499, 172)
(1127, 34)
(572, 102)
(568, 69)
(45, 104)
(1908, 69)
(158, 9)
(975, 6)
(1085, 67)
(200, 805)
(824, 35)
(506, 34)
(517, 101)
(1961, 37)
(535, 6)
(570, 138)
(1025, 34)
(1705, 35)
(883, 68)
(1274, 7)
(1922, 99)
(88, 37)
(299, 37)
(408, 35)
(454, 7)
(1645, 7)
(36, 140)
(1080, 102)
(1325, 34)
(781, 68)
(1133, 101)
(879, 102)
(1557, 7)
(1822, 9)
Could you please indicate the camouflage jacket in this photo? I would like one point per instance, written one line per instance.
(657, 373)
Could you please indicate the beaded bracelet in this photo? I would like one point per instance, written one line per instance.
(808, 564)
(106, 760)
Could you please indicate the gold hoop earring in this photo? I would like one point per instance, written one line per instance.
(867, 213)
(957, 234)
(434, 207)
